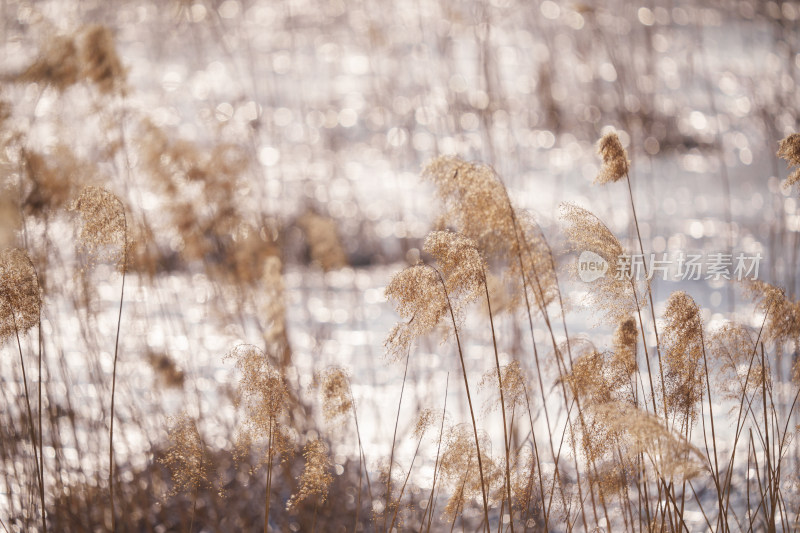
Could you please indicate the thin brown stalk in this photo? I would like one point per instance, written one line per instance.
(506, 436)
(114, 382)
(469, 398)
(394, 439)
(431, 500)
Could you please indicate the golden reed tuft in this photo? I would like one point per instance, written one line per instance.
(682, 339)
(420, 299)
(615, 159)
(789, 150)
(104, 227)
(477, 205)
(616, 297)
(20, 298)
(316, 477)
(186, 458)
(334, 384)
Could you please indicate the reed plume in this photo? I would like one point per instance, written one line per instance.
(615, 159)
(732, 347)
(789, 150)
(477, 205)
(670, 455)
(316, 476)
(420, 299)
(104, 233)
(782, 314)
(186, 457)
(683, 350)
(613, 294)
(334, 384)
(20, 298)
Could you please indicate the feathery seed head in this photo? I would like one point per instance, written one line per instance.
(104, 227)
(782, 314)
(20, 298)
(626, 339)
(460, 262)
(789, 150)
(427, 417)
(186, 457)
(682, 339)
(262, 390)
(316, 476)
(615, 159)
(334, 383)
(613, 295)
(419, 298)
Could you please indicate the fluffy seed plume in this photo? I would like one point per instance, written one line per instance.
(420, 299)
(263, 396)
(670, 455)
(596, 379)
(459, 468)
(612, 294)
(104, 227)
(186, 457)
(626, 340)
(20, 299)
(477, 205)
(460, 262)
(783, 314)
(615, 159)
(733, 347)
(789, 150)
(334, 384)
(316, 476)
(682, 339)
(513, 379)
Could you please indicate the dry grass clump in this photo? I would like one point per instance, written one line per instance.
(615, 159)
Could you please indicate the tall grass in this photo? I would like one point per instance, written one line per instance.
(665, 418)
